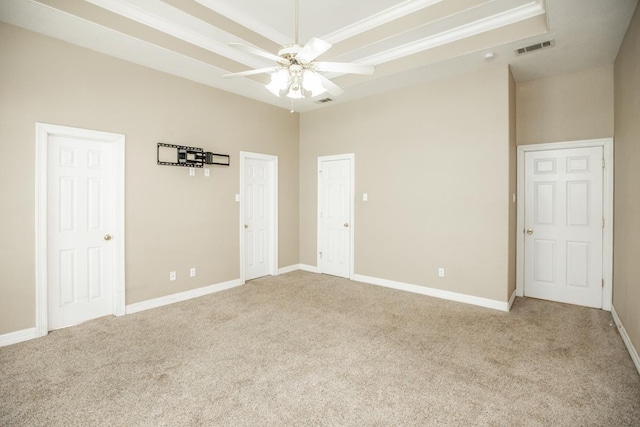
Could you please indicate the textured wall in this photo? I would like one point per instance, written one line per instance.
(173, 221)
(626, 250)
(434, 160)
(568, 107)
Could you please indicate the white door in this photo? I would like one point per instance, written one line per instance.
(335, 217)
(81, 216)
(563, 225)
(258, 176)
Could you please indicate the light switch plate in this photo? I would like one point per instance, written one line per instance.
(192, 171)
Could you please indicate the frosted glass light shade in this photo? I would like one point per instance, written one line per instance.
(295, 93)
(279, 82)
(312, 83)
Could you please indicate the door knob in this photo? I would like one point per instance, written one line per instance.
(529, 231)
(246, 226)
(107, 237)
(346, 224)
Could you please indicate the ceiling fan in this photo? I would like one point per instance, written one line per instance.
(296, 72)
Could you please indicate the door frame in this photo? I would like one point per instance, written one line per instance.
(607, 210)
(272, 244)
(43, 132)
(352, 158)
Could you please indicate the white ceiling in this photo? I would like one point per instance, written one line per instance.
(408, 41)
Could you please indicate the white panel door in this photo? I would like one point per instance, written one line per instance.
(335, 217)
(563, 225)
(81, 203)
(257, 211)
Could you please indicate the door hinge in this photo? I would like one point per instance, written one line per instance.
(320, 255)
(602, 163)
(603, 283)
(602, 222)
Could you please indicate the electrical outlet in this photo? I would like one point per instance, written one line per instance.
(192, 272)
(441, 272)
(172, 276)
(206, 172)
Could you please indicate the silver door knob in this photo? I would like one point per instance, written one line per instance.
(246, 226)
(346, 224)
(107, 237)
(529, 231)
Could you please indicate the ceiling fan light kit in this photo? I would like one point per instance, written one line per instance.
(296, 73)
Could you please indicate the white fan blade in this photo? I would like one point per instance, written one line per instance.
(314, 48)
(251, 72)
(330, 86)
(257, 52)
(344, 67)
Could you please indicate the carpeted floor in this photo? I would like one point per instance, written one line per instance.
(306, 349)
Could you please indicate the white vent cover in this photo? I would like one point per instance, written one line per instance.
(534, 47)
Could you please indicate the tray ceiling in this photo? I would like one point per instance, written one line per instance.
(408, 41)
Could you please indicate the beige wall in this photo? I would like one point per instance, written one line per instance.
(434, 160)
(568, 107)
(513, 211)
(173, 221)
(626, 251)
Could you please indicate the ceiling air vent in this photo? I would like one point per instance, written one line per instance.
(534, 47)
(324, 100)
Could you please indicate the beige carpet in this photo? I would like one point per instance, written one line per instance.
(305, 349)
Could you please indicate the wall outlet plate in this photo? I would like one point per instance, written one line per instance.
(441, 272)
(172, 276)
(192, 272)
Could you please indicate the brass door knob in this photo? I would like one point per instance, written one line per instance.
(346, 224)
(246, 226)
(529, 231)
(107, 237)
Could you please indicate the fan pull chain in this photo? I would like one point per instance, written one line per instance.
(292, 110)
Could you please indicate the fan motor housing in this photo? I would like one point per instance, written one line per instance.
(289, 51)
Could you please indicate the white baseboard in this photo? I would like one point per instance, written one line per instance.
(289, 269)
(625, 337)
(437, 293)
(309, 268)
(512, 299)
(181, 296)
(18, 336)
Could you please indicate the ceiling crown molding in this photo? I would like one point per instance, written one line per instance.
(378, 19)
(183, 32)
(512, 16)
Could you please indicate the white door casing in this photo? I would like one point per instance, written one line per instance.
(335, 215)
(565, 222)
(258, 215)
(79, 201)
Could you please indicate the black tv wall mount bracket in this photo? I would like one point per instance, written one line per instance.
(192, 157)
